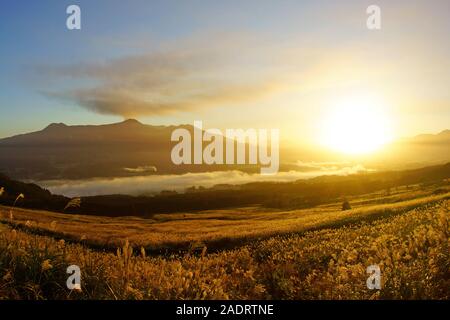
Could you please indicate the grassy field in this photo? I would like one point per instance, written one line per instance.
(412, 250)
(318, 253)
(218, 229)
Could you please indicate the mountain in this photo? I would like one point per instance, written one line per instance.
(441, 138)
(421, 150)
(130, 148)
(59, 151)
(72, 152)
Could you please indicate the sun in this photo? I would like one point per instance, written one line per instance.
(356, 125)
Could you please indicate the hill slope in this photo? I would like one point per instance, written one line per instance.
(288, 195)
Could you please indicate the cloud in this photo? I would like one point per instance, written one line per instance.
(156, 183)
(195, 74)
(141, 169)
(328, 165)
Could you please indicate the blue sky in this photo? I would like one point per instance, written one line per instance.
(414, 33)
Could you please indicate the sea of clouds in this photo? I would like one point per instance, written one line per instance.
(155, 183)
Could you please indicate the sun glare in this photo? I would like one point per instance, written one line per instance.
(356, 125)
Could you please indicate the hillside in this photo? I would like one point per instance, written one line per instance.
(295, 255)
(287, 195)
(35, 196)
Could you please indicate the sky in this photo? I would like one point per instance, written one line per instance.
(231, 64)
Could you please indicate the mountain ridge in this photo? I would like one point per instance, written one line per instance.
(61, 151)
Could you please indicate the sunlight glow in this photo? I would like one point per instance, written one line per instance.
(356, 125)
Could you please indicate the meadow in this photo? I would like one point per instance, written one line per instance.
(316, 253)
(216, 229)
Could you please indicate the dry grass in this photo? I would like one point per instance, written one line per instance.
(219, 229)
(412, 249)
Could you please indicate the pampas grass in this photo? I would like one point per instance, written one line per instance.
(73, 203)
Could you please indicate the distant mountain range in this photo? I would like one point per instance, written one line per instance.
(423, 149)
(130, 148)
(441, 138)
